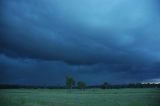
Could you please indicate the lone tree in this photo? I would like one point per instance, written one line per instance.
(81, 85)
(105, 85)
(70, 83)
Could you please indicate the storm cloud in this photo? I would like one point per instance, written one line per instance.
(104, 40)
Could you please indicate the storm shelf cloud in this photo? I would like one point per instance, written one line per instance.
(42, 41)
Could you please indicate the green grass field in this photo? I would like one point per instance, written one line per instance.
(90, 97)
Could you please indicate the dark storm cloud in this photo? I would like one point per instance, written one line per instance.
(52, 31)
(114, 38)
(30, 71)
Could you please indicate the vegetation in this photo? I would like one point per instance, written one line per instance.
(70, 83)
(105, 85)
(89, 97)
(81, 85)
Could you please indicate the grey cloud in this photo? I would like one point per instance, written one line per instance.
(31, 71)
(40, 31)
(119, 37)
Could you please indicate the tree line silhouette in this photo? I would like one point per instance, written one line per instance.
(71, 84)
(80, 85)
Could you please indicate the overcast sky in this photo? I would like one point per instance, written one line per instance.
(42, 41)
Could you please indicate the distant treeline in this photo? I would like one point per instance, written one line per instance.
(9, 86)
(132, 85)
(103, 86)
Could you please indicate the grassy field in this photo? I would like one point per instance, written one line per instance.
(91, 97)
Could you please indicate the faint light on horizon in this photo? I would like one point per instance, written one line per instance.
(152, 81)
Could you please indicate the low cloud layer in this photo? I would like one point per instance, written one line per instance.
(105, 39)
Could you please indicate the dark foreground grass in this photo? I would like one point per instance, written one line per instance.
(91, 97)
